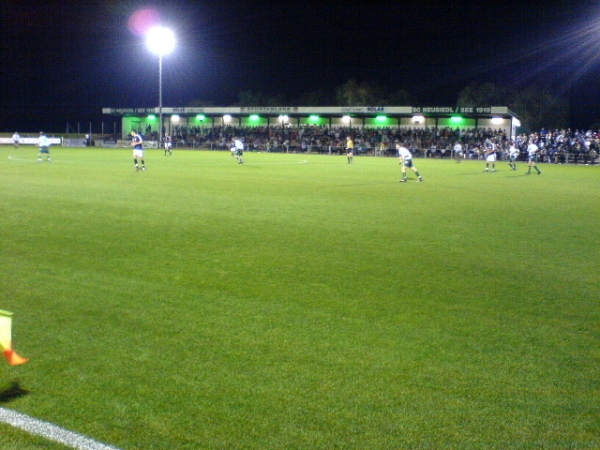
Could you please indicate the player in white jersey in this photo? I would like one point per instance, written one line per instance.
(513, 154)
(44, 146)
(238, 146)
(405, 157)
(16, 139)
(532, 157)
(490, 155)
(168, 143)
(458, 151)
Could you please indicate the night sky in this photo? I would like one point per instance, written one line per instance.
(65, 60)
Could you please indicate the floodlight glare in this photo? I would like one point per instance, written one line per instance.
(160, 40)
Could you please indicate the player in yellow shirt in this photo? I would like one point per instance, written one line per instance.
(349, 149)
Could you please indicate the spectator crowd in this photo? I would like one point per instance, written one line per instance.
(556, 146)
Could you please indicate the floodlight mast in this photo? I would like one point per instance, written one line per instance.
(160, 41)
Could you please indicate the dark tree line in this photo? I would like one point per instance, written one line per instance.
(537, 107)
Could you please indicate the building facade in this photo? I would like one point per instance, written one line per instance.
(199, 118)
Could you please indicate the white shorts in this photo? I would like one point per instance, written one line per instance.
(491, 157)
(137, 153)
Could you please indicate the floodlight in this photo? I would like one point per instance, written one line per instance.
(160, 41)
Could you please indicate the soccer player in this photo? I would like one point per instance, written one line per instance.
(138, 150)
(44, 147)
(405, 158)
(490, 155)
(168, 144)
(16, 139)
(458, 151)
(349, 149)
(513, 154)
(238, 145)
(532, 157)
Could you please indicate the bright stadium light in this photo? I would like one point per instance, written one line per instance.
(161, 42)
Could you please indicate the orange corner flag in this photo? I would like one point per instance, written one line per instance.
(6, 340)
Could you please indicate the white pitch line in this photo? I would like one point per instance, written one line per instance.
(50, 431)
(67, 161)
(304, 161)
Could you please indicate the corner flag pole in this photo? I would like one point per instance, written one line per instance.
(6, 340)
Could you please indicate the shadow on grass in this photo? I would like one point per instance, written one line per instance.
(12, 392)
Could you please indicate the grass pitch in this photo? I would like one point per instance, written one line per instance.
(298, 301)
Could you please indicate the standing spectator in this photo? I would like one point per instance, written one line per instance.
(349, 149)
(16, 140)
(304, 146)
(405, 158)
(44, 147)
(593, 154)
(138, 150)
(532, 151)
